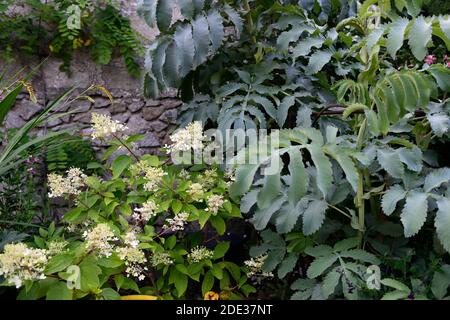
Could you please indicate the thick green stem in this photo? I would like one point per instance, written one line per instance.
(359, 198)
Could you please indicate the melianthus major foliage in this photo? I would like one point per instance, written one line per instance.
(358, 90)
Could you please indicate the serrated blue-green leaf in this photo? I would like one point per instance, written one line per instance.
(411, 93)
(171, 66)
(419, 36)
(395, 284)
(372, 121)
(285, 38)
(198, 5)
(390, 161)
(395, 295)
(346, 244)
(324, 169)
(283, 109)
(151, 88)
(319, 265)
(266, 104)
(317, 61)
(147, 11)
(319, 251)
(414, 212)
(360, 255)
(164, 14)
(347, 164)
(271, 187)
(288, 215)
(330, 282)
(442, 222)
(262, 217)
(442, 76)
(235, 19)
(436, 178)
(412, 157)
(185, 48)
(304, 46)
(374, 37)
(441, 281)
(314, 216)
(287, 265)
(248, 201)
(200, 35)
(187, 8)
(383, 119)
(299, 176)
(396, 35)
(444, 22)
(439, 122)
(244, 179)
(216, 29)
(159, 58)
(391, 197)
(398, 90)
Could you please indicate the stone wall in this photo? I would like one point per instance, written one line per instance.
(154, 118)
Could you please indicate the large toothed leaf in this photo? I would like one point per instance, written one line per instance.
(187, 8)
(317, 61)
(314, 216)
(439, 122)
(200, 34)
(324, 169)
(235, 18)
(262, 217)
(319, 265)
(244, 179)
(304, 47)
(271, 186)
(414, 212)
(283, 110)
(374, 37)
(391, 197)
(216, 29)
(288, 216)
(147, 11)
(412, 157)
(396, 35)
(347, 164)
(444, 23)
(185, 48)
(390, 161)
(419, 36)
(164, 14)
(442, 76)
(330, 282)
(442, 222)
(299, 176)
(436, 178)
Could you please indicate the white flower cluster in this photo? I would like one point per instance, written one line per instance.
(161, 258)
(103, 126)
(214, 203)
(178, 222)
(98, 240)
(153, 175)
(56, 247)
(184, 174)
(132, 256)
(209, 178)
(130, 239)
(231, 177)
(71, 184)
(146, 212)
(196, 191)
(200, 253)
(255, 266)
(188, 138)
(20, 263)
